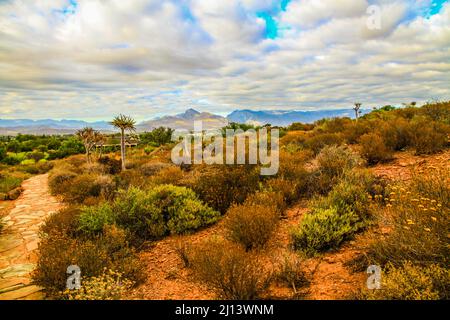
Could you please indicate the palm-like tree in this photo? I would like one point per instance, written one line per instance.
(357, 111)
(100, 140)
(123, 123)
(88, 137)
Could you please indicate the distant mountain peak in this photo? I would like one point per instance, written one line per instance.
(189, 113)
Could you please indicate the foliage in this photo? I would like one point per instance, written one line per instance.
(229, 270)
(250, 224)
(93, 219)
(418, 229)
(324, 229)
(290, 272)
(110, 285)
(157, 137)
(373, 149)
(108, 250)
(222, 186)
(162, 210)
(410, 282)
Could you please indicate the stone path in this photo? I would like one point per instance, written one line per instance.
(19, 239)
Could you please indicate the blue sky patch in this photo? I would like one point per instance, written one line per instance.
(271, 25)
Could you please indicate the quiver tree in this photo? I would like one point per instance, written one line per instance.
(123, 123)
(88, 136)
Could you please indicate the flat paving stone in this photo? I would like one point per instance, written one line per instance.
(20, 238)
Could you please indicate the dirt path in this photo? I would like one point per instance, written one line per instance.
(19, 240)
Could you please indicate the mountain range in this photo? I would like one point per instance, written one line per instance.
(180, 121)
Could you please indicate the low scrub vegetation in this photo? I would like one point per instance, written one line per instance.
(251, 224)
(411, 282)
(229, 270)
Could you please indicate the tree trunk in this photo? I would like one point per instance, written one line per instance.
(87, 155)
(122, 148)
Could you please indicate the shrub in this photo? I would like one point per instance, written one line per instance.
(270, 199)
(110, 285)
(352, 193)
(429, 138)
(373, 149)
(150, 169)
(168, 175)
(93, 219)
(108, 250)
(433, 182)
(418, 230)
(290, 272)
(409, 282)
(323, 229)
(230, 271)
(36, 156)
(251, 225)
(9, 182)
(161, 210)
(220, 187)
(78, 188)
(334, 161)
(59, 179)
(65, 221)
(111, 166)
(319, 141)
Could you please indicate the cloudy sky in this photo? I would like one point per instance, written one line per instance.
(90, 59)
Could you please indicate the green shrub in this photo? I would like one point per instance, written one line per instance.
(352, 193)
(8, 183)
(251, 225)
(409, 282)
(373, 149)
(324, 229)
(161, 210)
(229, 270)
(93, 219)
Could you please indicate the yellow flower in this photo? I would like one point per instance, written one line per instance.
(405, 227)
(427, 229)
(410, 222)
(434, 218)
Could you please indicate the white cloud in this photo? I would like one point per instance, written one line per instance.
(152, 57)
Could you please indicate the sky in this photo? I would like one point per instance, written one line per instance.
(93, 59)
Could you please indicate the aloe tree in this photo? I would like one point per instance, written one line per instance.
(88, 137)
(100, 140)
(123, 123)
(357, 110)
